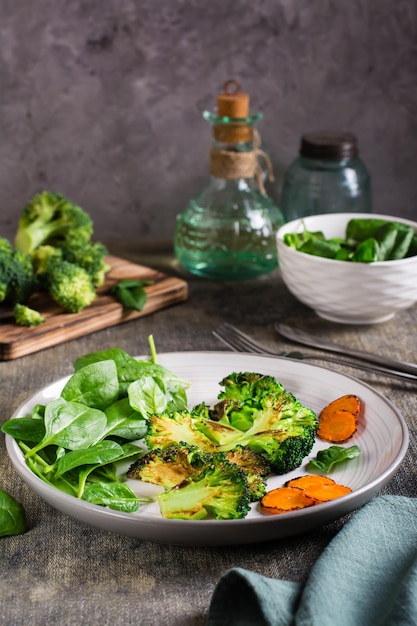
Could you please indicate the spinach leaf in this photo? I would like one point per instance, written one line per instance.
(124, 422)
(25, 428)
(131, 293)
(117, 496)
(71, 425)
(98, 454)
(147, 395)
(95, 385)
(12, 516)
(328, 458)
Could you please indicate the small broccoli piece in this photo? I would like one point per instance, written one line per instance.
(70, 286)
(91, 256)
(50, 218)
(168, 466)
(17, 279)
(256, 468)
(25, 316)
(179, 427)
(219, 490)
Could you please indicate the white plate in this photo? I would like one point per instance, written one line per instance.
(382, 436)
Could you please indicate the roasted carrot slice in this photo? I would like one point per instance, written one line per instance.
(310, 480)
(348, 402)
(337, 426)
(338, 421)
(284, 499)
(324, 493)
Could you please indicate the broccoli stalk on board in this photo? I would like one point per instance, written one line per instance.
(219, 490)
(51, 219)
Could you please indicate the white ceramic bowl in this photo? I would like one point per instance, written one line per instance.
(342, 291)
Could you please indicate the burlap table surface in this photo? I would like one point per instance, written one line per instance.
(63, 571)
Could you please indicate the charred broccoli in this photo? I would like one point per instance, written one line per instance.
(25, 316)
(17, 279)
(219, 490)
(168, 466)
(256, 468)
(51, 219)
(178, 427)
(274, 423)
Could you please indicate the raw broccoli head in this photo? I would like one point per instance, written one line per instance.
(168, 466)
(25, 316)
(50, 218)
(17, 279)
(219, 490)
(91, 256)
(70, 286)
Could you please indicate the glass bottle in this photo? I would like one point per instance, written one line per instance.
(227, 232)
(327, 177)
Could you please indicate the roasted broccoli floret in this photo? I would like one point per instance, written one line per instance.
(51, 219)
(25, 316)
(282, 429)
(256, 468)
(273, 423)
(70, 286)
(17, 280)
(219, 490)
(178, 427)
(168, 466)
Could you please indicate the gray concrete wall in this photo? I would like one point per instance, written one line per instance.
(102, 99)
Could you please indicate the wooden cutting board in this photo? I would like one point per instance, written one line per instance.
(17, 341)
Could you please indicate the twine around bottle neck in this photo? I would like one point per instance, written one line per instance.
(232, 165)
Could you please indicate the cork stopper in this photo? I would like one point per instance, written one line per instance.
(233, 102)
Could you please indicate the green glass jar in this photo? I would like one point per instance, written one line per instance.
(327, 177)
(227, 232)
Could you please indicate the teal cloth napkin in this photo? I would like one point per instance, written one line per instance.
(366, 576)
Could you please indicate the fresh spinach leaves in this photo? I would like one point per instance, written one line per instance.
(76, 442)
(328, 458)
(131, 293)
(366, 240)
(12, 516)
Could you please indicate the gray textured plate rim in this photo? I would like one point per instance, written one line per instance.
(314, 385)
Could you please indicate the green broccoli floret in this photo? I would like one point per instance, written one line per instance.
(256, 468)
(70, 286)
(25, 316)
(17, 279)
(282, 429)
(51, 219)
(219, 490)
(178, 427)
(168, 466)
(268, 420)
(91, 256)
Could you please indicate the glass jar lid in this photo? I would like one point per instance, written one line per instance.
(329, 145)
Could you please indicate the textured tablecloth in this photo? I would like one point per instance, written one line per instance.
(63, 571)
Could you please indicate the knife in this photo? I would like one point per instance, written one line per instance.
(314, 341)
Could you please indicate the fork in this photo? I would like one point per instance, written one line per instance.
(240, 342)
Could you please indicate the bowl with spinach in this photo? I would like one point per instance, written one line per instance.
(350, 268)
